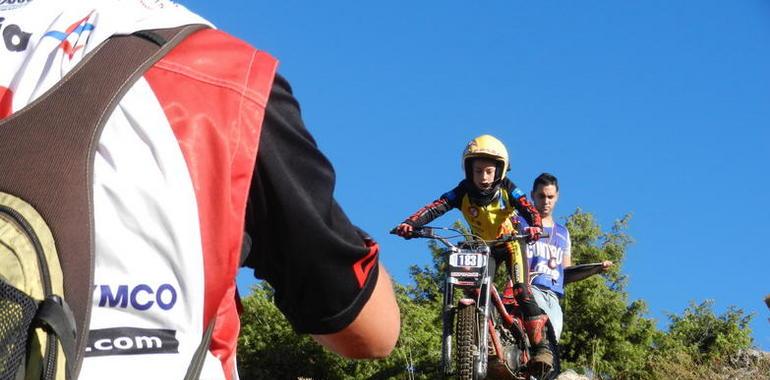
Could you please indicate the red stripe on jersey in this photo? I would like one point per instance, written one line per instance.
(213, 89)
(65, 45)
(363, 266)
(6, 101)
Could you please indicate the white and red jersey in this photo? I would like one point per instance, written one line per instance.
(175, 184)
(171, 178)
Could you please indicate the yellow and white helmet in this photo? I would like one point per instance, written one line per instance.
(486, 146)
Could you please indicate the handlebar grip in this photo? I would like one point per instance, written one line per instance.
(416, 232)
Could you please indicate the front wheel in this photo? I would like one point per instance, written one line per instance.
(467, 334)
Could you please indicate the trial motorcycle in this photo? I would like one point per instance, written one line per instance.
(483, 332)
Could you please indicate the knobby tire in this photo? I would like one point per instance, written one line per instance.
(467, 342)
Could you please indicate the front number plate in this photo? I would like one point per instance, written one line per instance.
(468, 260)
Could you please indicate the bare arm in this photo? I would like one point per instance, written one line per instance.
(374, 332)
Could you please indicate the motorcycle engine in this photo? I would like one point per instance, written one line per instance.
(514, 357)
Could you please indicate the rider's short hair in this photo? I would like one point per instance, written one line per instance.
(545, 179)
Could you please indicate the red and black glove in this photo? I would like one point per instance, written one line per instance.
(534, 234)
(405, 230)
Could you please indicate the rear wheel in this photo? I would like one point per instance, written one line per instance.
(467, 341)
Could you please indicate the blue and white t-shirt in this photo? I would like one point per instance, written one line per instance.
(547, 255)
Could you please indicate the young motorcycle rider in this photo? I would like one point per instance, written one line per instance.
(488, 200)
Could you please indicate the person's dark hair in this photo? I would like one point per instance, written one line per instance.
(545, 179)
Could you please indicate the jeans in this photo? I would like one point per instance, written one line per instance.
(549, 302)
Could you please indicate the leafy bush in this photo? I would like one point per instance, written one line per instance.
(606, 336)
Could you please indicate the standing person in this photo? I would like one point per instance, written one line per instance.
(550, 256)
(209, 143)
(488, 199)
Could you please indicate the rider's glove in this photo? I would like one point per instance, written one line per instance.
(405, 230)
(534, 234)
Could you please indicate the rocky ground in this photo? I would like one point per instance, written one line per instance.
(747, 365)
(572, 375)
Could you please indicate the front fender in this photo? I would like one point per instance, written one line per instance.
(467, 301)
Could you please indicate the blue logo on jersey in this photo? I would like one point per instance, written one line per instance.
(77, 28)
(142, 297)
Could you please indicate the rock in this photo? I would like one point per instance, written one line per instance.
(571, 375)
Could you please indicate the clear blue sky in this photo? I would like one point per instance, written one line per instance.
(655, 108)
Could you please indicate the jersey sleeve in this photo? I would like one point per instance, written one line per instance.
(322, 267)
(519, 200)
(433, 210)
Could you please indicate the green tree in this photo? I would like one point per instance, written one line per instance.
(610, 336)
(603, 331)
(268, 348)
(708, 336)
(700, 345)
(605, 334)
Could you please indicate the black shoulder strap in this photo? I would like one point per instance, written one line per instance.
(47, 153)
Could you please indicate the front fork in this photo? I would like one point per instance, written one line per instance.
(447, 314)
(482, 308)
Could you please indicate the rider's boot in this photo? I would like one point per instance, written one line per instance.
(542, 358)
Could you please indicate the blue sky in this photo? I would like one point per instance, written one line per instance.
(655, 108)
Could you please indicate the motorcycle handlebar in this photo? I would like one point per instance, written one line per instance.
(428, 233)
(417, 232)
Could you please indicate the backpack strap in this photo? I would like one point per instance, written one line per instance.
(50, 160)
(199, 357)
(56, 316)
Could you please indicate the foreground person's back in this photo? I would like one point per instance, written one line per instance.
(195, 153)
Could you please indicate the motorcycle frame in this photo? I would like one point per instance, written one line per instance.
(481, 303)
(483, 293)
